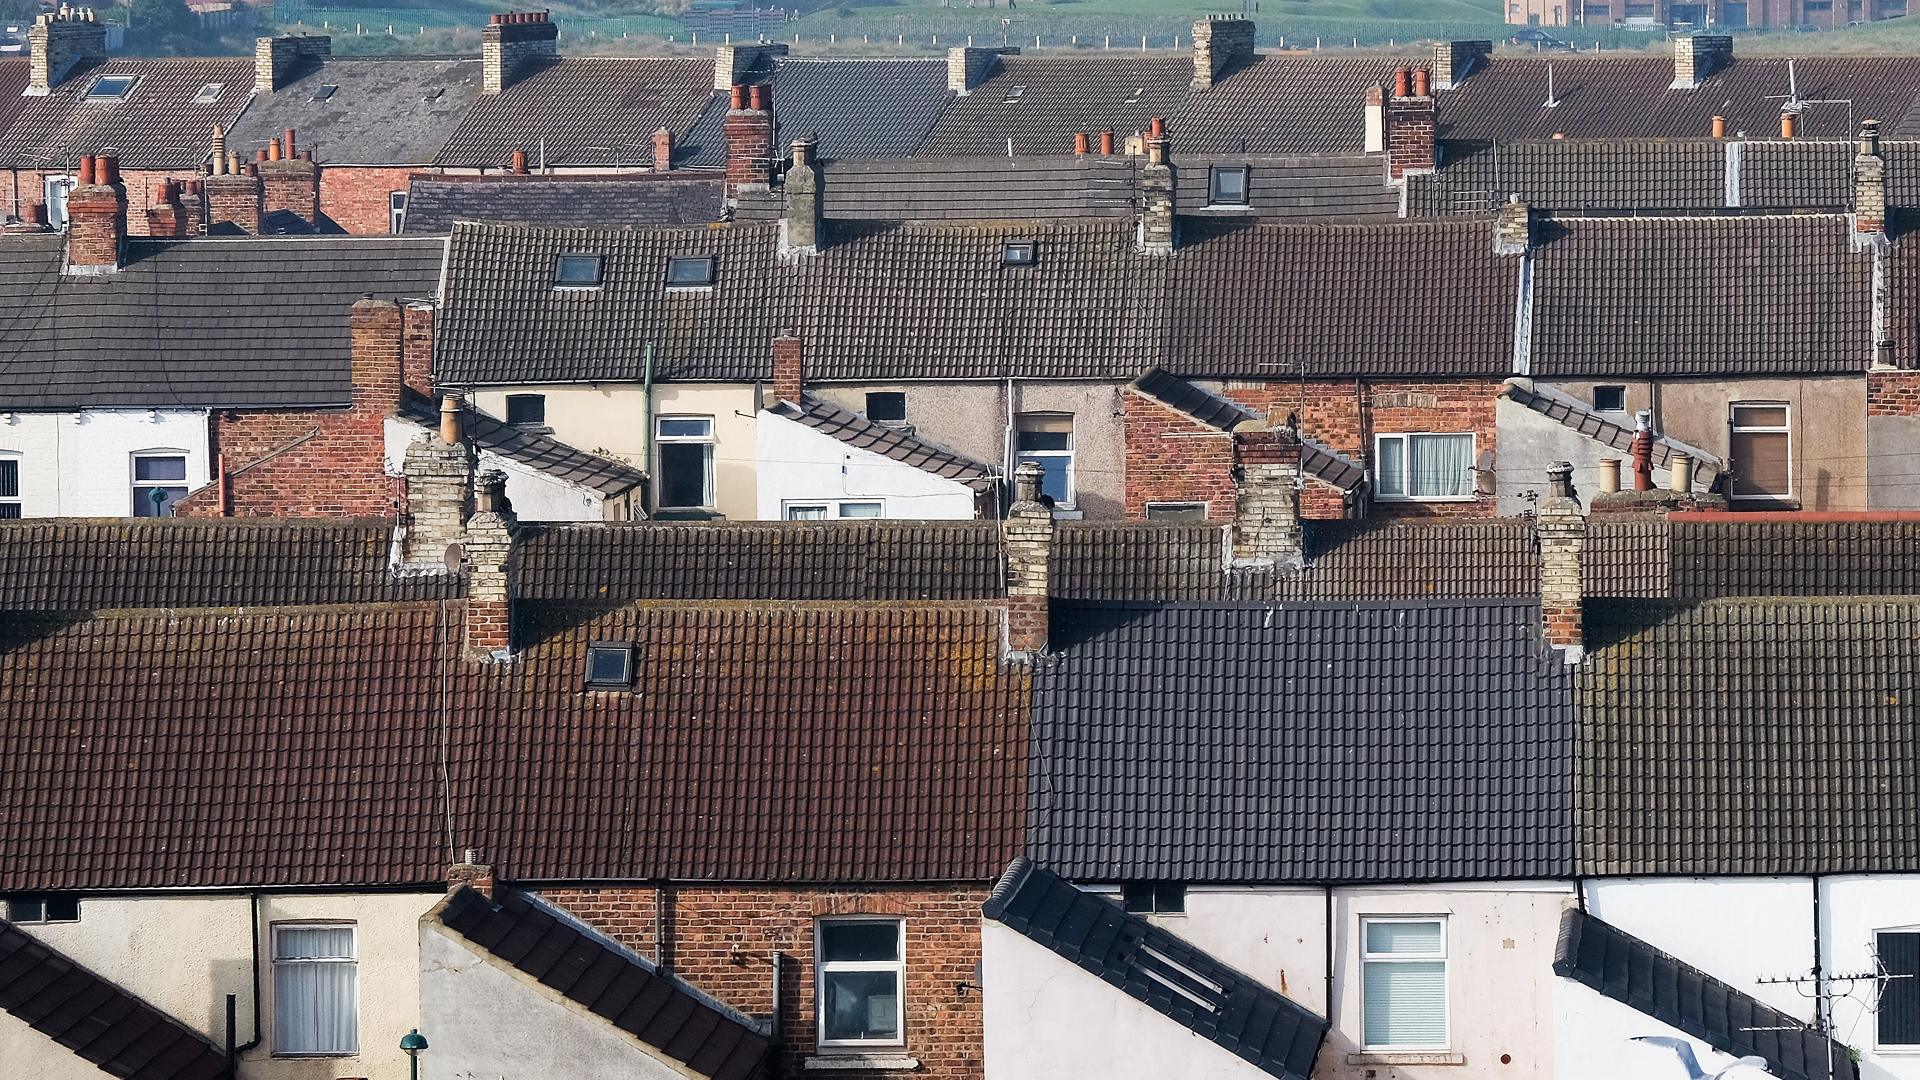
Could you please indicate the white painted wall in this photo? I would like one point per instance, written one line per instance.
(1593, 1040)
(800, 464)
(535, 495)
(185, 953)
(80, 464)
(483, 1019)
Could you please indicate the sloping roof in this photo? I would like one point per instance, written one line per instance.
(629, 201)
(382, 110)
(1622, 967)
(1240, 1014)
(1213, 410)
(584, 110)
(542, 453)
(1426, 298)
(1038, 103)
(1629, 97)
(159, 124)
(1384, 742)
(857, 431)
(869, 560)
(15, 73)
(612, 983)
(1700, 296)
(710, 769)
(200, 323)
(983, 189)
(860, 109)
(1282, 104)
(97, 1020)
(1348, 188)
(94, 564)
(1749, 736)
(1569, 412)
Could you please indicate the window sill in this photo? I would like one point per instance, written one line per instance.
(878, 1062)
(1408, 1057)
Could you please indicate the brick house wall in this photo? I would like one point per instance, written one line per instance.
(24, 191)
(1170, 458)
(355, 196)
(721, 938)
(1893, 393)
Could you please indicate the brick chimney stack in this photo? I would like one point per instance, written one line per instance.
(439, 473)
(278, 61)
(514, 45)
(233, 192)
(168, 216)
(800, 224)
(489, 553)
(735, 64)
(1027, 534)
(1453, 61)
(96, 217)
(789, 368)
(1221, 43)
(1513, 228)
(663, 150)
(1266, 519)
(749, 130)
(1869, 189)
(377, 344)
(971, 65)
(1697, 57)
(1401, 123)
(290, 183)
(1157, 230)
(59, 42)
(1562, 534)
(471, 873)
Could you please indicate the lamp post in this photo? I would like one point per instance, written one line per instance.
(413, 1042)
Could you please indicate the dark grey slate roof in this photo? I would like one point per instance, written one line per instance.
(201, 323)
(1628, 970)
(1347, 188)
(857, 431)
(679, 1022)
(1312, 742)
(584, 110)
(543, 453)
(383, 111)
(1041, 102)
(1749, 736)
(1184, 397)
(987, 188)
(100, 1022)
(160, 124)
(1146, 962)
(638, 200)
(861, 109)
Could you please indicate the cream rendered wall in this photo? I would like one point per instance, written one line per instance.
(611, 419)
(798, 463)
(80, 464)
(184, 954)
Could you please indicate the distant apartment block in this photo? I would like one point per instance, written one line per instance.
(1732, 14)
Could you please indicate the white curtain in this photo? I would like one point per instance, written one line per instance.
(316, 998)
(1404, 1001)
(1440, 465)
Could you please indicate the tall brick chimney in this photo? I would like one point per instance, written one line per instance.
(1869, 189)
(1027, 534)
(749, 131)
(789, 368)
(234, 198)
(1696, 57)
(514, 45)
(291, 184)
(802, 190)
(377, 337)
(1513, 228)
(1562, 534)
(1221, 43)
(439, 472)
(1157, 229)
(1453, 61)
(489, 554)
(663, 150)
(96, 217)
(59, 42)
(735, 64)
(1400, 122)
(278, 61)
(167, 216)
(971, 65)
(1266, 518)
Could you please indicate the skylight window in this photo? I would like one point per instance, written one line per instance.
(1138, 93)
(112, 87)
(1016, 253)
(610, 665)
(574, 271)
(1015, 93)
(435, 93)
(689, 271)
(326, 91)
(209, 93)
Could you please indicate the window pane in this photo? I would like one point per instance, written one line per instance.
(526, 409)
(577, 270)
(63, 908)
(1760, 464)
(1760, 416)
(1405, 1002)
(1393, 467)
(1045, 440)
(1170, 899)
(9, 479)
(159, 468)
(313, 943)
(890, 406)
(859, 942)
(1440, 465)
(315, 1008)
(156, 501)
(688, 271)
(860, 510)
(26, 909)
(607, 664)
(1610, 398)
(9, 510)
(683, 473)
(686, 427)
(1055, 476)
(1230, 186)
(861, 1005)
(1137, 898)
(1405, 938)
(1899, 1012)
(1177, 512)
(810, 512)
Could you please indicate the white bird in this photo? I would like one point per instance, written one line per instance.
(1683, 1050)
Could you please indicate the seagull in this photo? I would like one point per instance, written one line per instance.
(1683, 1050)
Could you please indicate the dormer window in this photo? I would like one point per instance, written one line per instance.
(610, 665)
(575, 271)
(1227, 185)
(690, 272)
(111, 87)
(1016, 253)
(209, 93)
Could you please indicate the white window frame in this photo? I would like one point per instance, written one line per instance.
(1903, 1049)
(396, 211)
(15, 500)
(273, 957)
(1406, 456)
(1734, 427)
(1071, 453)
(55, 190)
(822, 967)
(1179, 504)
(709, 440)
(1446, 981)
(831, 509)
(135, 485)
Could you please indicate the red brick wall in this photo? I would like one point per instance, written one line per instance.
(355, 197)
(721, 939)
(23, 189)
(1893, 393)
(1165, 464)
(418, 349)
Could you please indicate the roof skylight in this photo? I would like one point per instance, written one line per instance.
(111, 87)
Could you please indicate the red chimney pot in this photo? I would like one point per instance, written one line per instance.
(1402, 82)
(739, 97)
(1106, 144)
(1422, 82)
(519, 163)
(86, 170)
(1080, 144)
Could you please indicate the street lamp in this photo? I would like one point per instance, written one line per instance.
(413, 1042)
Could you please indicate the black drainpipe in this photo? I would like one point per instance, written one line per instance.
(1330, 1005)
(1820, 1018)
(253, 935)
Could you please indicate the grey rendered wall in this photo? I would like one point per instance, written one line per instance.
(1893, 474)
